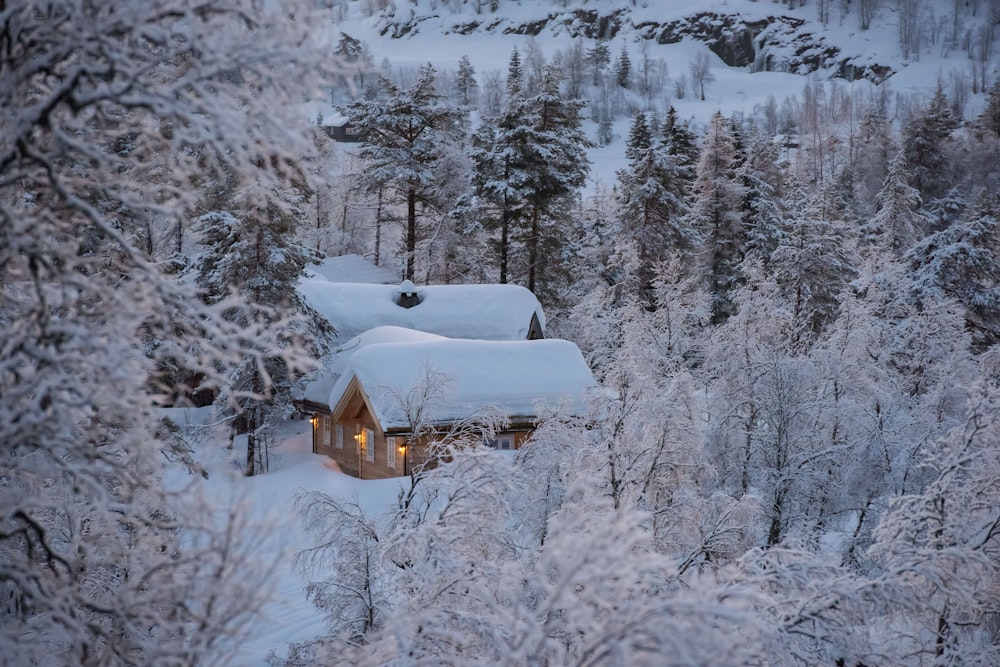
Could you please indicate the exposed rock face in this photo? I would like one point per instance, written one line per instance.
(578, 23)
(777, 43)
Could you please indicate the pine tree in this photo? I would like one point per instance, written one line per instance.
(501, 158)
(253, 254)
(812, 262)
(515, 77)
(465, 82)
(924, 138)
(680, 142)
(527, 161)
(349, 49)
(623, 69)
(598, 58)
(651, 206)
(717, 194)
(640, 138)
(989, 119)
(961, 263)
(897, 222)
(763, 217)
(405, 134)
(561, 168)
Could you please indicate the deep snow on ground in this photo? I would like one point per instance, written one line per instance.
(273, 525)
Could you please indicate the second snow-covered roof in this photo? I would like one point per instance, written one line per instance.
(464, 377)
(488, 312)
(318, 388)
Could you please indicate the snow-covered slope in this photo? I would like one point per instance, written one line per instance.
(760, 54)
(747, 35)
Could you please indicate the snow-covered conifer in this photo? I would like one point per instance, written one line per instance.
(898, 222)
(253, 254)
(715, 214)
(466, 85)
(652, 209)
(406, 132)
(623, 69)
(924, 145)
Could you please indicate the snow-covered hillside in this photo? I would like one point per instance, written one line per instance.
(759, 54)
(746, 35)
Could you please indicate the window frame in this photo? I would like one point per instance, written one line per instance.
(390, 451)
(369, 440)
(496, 442)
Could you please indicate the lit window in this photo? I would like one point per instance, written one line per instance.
(390, 451)
(338, 435)
(368, 441)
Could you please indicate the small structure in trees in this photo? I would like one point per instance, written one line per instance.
(393, 399)
(340, 128)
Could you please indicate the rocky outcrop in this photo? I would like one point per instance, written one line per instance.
(577, 23)
(777, 43)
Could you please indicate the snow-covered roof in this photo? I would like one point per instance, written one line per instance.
(351, 269)
(488, 312)
(519, 378)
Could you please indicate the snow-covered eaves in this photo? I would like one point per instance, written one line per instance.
(455, 379)
(488, 312)
(331, 367)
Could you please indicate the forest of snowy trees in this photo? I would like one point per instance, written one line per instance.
(795, 312)
(801, 450)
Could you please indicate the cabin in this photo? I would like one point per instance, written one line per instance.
(486, 312)
(396, 377)
(340, 128)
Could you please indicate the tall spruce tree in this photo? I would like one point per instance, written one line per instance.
(623, 69)
(651, 205)
(405, 134)
(527, 161)
(466, 85)
(962, 263)
(762, 203)
(500, 155)
(598, 57)
(924, 138)
(716, 214)
(251, 253)
(680, 141)
(812, 261)
(897, 222)
(989, 119)
(561, 168)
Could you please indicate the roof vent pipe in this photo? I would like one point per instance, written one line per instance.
(408, 296)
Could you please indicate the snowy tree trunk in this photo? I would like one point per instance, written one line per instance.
(251, 470)
(411, 231)
(378, 226)
(504, 239)
(533, 249)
